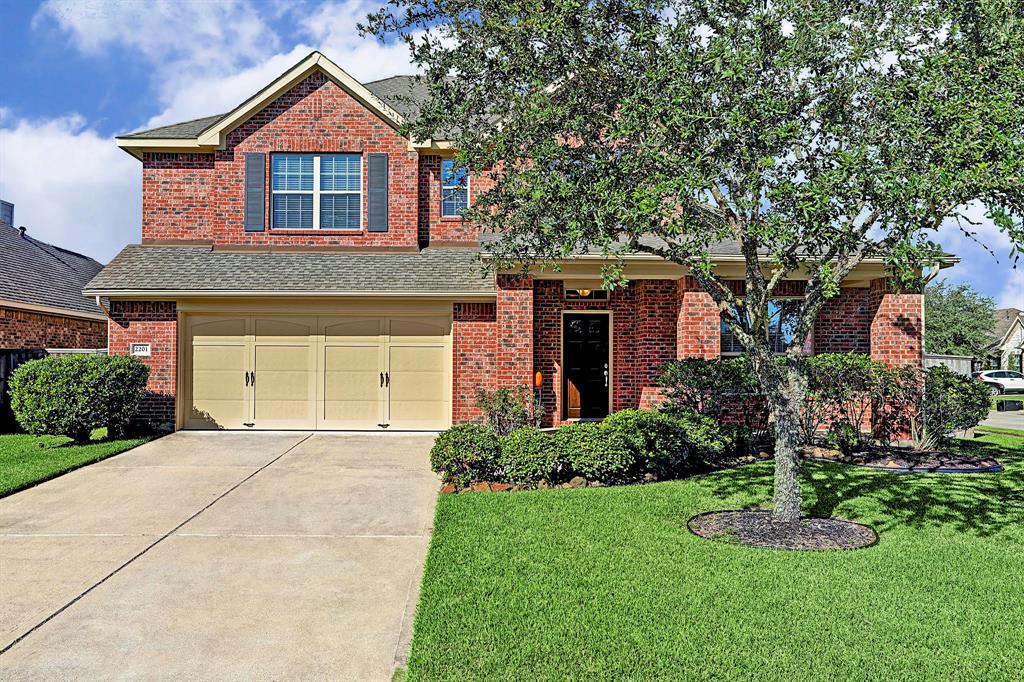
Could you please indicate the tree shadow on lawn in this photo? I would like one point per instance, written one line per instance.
(980, 504)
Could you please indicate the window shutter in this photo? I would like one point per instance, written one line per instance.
(255, 188)
(377, 192)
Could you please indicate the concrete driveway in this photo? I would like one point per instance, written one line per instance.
(219, 555)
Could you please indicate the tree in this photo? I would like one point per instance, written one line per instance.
(958, 320)
(813, 134)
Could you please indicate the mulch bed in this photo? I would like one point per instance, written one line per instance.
(905, 461)
(755, 529)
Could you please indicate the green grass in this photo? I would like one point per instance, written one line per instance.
(26, 460)
(607, 583)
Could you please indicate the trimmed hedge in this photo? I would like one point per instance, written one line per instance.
(73, 395)
(623, 448)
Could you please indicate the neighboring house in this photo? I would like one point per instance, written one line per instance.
(302, 265)
(41, 301)
(1007, 349)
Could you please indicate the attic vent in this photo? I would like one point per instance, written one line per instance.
(6, 212)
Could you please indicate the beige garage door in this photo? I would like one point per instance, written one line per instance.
(326, 372)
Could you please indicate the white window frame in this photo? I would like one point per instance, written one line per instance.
(316, 192)
(808, 343)
(444, 187)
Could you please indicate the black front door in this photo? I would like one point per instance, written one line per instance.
(585, 356)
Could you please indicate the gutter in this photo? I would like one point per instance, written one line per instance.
(277, 293)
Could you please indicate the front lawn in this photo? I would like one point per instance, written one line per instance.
(26, 460)
(607, 583)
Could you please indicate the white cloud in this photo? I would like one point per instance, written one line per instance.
(985, 259)
(71, 186)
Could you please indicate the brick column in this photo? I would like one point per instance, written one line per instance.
(155, 323)
(897, 324)
(515, 331)
(474, 344)
(698, 325)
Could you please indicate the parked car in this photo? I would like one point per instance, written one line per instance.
(1001, 381)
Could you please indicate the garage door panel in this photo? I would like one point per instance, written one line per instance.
(218, 330)
(275, 329)
(352, 392)
(418, 329)
(419, 397)
(218, 387)
(285, 390)
(351, 329)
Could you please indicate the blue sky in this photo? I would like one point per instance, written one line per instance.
(77, 73)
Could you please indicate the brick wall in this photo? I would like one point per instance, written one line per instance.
(201, 196)
(698, 326)
(843, 324)
(475, 348)
(26, 329)
(897, 324)
(156, 323)
(514, 314)
(432, 227)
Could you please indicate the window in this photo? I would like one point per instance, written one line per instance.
(454, 189)
(317, 191)
(783, 315)
(586, 294)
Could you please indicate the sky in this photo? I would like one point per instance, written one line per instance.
(77, 73)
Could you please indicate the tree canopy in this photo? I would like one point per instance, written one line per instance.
(812, 134)
(959, 320)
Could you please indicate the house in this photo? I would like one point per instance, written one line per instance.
(1007, 349)
(303, 265)
(41, 301)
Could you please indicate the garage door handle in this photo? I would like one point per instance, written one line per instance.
(382, 379)
(387, 379)
(246, 378)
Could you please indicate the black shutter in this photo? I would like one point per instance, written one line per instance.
(255, 187)
(377, 192)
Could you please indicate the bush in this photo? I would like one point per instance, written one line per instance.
(528, 456)
(947, 402)
(75, 394)
(842, 389)
(596, 453)
(508, 409)
(466, 453)
(664, 444)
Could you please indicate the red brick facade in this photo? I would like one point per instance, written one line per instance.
(26, 329)
(155, 323)
(201, 196)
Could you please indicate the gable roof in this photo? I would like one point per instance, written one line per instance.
(208, 134)
(37, 275)
(1005, 320)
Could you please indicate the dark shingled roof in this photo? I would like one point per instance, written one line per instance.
(38, 273)
(399, 92)
(201, 269)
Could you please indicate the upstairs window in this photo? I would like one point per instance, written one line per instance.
(454, 190)
(783, 315)
(317, 191)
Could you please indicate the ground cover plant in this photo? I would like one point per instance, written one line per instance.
(26, 459)
(608, 584)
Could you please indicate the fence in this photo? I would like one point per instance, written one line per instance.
(961, 364)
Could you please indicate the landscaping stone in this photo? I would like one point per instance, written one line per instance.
(481, 487)
(449, 489)
(501, 487)
(577, 482)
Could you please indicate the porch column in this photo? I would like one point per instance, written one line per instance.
(698, 326)
(515, 331)
(897, 324)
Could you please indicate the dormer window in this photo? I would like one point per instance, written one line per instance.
(454, 189)
(317, 191)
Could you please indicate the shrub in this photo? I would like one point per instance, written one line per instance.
(121, 392)
(596, 453)
(72, 395)
(466, 453)
(508, 409)
(947, 402)
(528, 456)
(842, 389)
(664, 444)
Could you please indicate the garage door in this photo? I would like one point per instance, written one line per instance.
(326, 372)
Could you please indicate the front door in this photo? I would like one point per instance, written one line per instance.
(586, 360)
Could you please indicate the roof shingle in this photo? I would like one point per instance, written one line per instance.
(38, 273)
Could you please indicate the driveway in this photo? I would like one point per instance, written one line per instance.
(220, 555)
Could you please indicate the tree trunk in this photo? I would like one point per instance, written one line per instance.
(785, 403)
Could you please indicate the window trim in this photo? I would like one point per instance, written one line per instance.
(316, 192)
(450, 216)
(808, 343)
